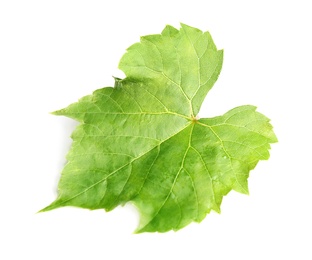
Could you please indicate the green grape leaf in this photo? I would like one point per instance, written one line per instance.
(140, 141)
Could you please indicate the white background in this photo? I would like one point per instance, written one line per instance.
(54, 52)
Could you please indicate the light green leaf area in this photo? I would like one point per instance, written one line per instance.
(141, 142)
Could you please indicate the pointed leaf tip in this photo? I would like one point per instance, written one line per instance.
(58, 112)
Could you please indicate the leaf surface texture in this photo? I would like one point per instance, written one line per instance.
(140, 141)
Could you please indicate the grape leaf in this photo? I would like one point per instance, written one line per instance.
(140, 141)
